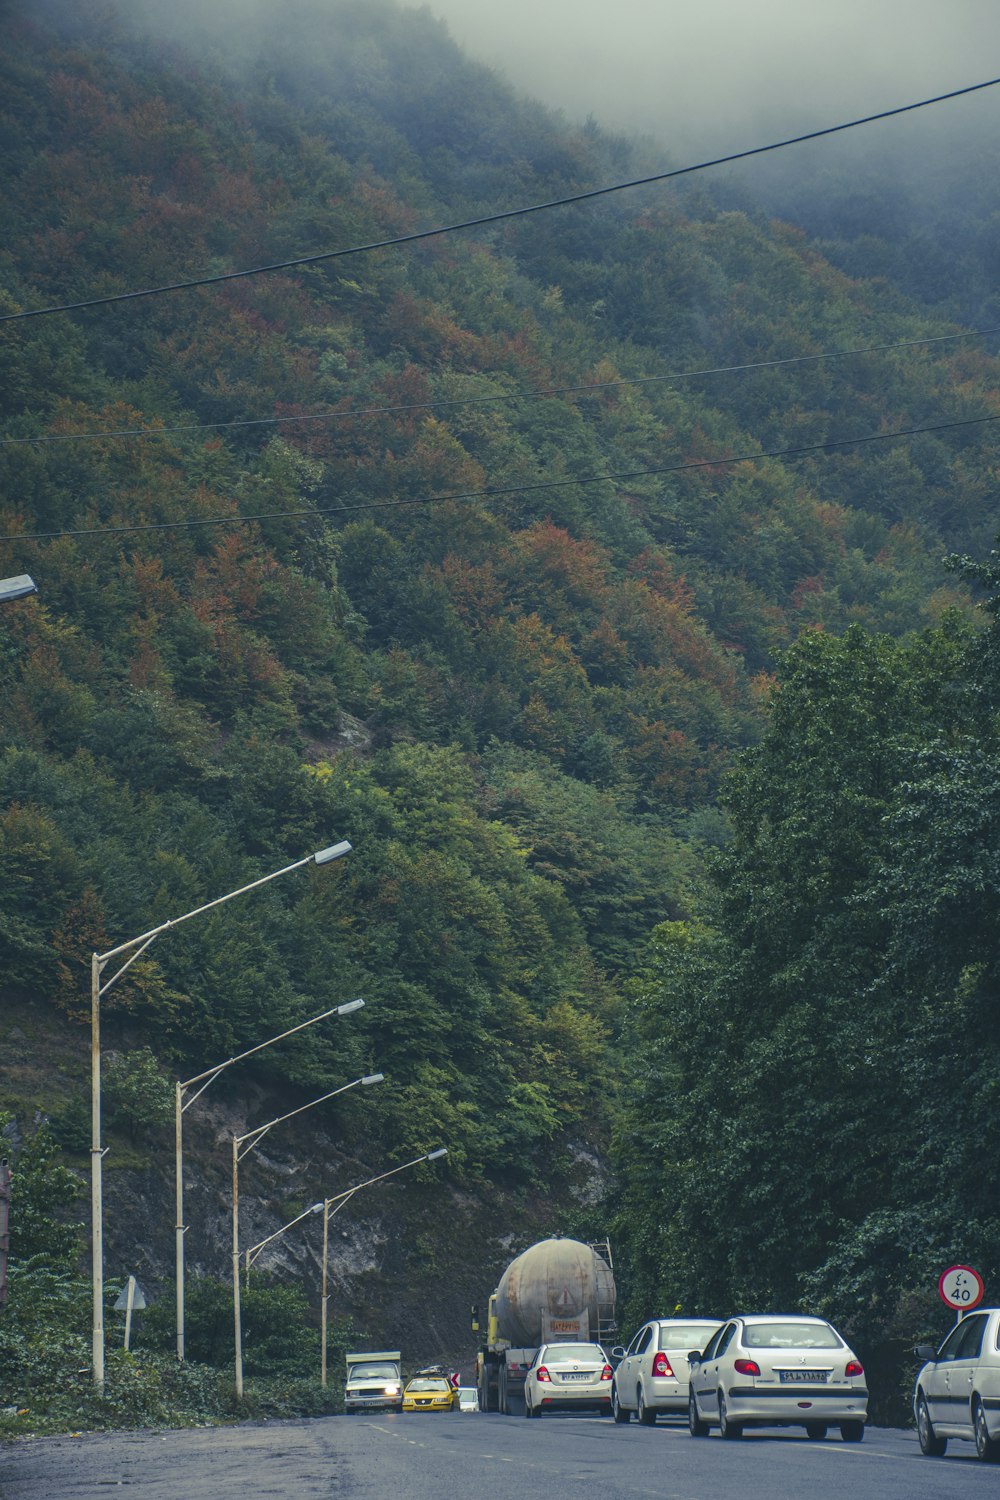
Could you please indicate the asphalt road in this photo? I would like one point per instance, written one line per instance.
(454, 1457)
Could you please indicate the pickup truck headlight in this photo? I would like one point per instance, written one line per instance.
(391, 1390)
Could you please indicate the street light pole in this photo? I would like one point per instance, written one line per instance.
(135, 947)
(181, 1105)
(242, 1146)
(252, 1252)
(96, 1158)
(341, 1200)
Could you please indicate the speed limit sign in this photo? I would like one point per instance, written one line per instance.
(961, 1287)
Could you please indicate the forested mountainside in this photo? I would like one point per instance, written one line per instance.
(915, 204)
(513, 684)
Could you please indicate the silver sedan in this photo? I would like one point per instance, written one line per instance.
(777, 1371)
(652, 1373)
(567, 1375)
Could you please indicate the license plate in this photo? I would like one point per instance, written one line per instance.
(814, 1377)
(581, 1375)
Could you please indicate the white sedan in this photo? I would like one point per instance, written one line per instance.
(652, 1373)
(778, 1371)
(957, 1394)
(567, 1375)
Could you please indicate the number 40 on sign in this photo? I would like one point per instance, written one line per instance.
(961, 1287)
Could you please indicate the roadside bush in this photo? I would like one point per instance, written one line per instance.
(139, 1094)
(43, 1192)
(47, 1386)
(46, 1381)
(278, 1335)
(70, 1124)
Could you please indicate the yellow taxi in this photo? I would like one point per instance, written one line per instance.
(430, 1390)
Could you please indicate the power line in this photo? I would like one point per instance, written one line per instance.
(502, 491)
(543, 391)
(501, 217)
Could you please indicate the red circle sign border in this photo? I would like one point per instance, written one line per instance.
(961, 1306)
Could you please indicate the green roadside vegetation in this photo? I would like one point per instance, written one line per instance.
(46, 1379)
(810, 1115)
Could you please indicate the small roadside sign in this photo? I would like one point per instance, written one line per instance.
(130, 1300)
(961, 1287)
(131, 1295)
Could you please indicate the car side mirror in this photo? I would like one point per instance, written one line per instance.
(618, 1352)
(925, 1352)
(694, 1358)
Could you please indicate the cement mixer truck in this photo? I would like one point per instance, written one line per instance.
(558, 1291)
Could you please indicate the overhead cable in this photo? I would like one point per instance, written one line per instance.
(463, 401)
(501, 217)
(502, 491)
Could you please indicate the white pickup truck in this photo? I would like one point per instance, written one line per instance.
(374, 1382)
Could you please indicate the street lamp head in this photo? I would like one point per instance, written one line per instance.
(17, 588)
(335, 851)
(317, 1208)
(372, 1078)
(349, 1007)
(434, 1155)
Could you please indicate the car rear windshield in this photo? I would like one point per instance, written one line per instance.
(557, 1353)
(679, 1336)
(373, 1372)
(437, 1386)
(790, 1336)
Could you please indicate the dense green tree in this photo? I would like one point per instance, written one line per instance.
(801, 1068)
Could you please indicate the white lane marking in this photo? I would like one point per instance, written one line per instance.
(844, 1451)
(519, 1463)
(897, 1458)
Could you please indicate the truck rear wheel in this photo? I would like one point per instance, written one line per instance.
(488, 1390)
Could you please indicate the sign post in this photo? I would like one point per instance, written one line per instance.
(961, 1288)
(130, 1300)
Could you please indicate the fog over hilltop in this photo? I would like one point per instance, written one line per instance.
(693, 82)
(705, 74)
(696, 73)
(696, 81)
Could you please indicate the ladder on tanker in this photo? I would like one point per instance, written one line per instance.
(607, 1322)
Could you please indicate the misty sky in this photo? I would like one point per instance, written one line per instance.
(696, 72)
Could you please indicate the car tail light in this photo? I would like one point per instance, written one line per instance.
(746, 1366)
(662, 1365)
(607, 1373)
(542, 1374)
(854, 1368)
